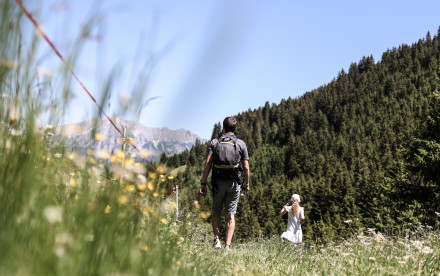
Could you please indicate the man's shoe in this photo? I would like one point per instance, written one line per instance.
(217, 243)
(227, 247)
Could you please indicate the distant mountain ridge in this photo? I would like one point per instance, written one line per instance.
(152, 141)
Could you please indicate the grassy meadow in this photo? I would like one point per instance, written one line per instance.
(66, 213)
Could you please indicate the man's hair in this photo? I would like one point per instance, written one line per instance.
(229, 124)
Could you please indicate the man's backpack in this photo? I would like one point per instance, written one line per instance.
(226, 159)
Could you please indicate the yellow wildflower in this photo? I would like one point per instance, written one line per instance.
(130, 161)
(150, 185)
(89, 151)
(11, 64)
(147, 209)
(144, 248)
(164, 221)
(92, 160)
(113, 158)
(131, 188)
(203, 215)
(99, 137)
(107, 209)
(122, 200)
(120, 154)
(141, 187)
(170, 177)
(73, 183)
(155, 194)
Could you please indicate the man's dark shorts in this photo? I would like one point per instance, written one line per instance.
(225, 193)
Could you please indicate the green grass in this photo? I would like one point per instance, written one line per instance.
(371, 254)
(180, 169)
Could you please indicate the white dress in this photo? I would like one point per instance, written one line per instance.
(293, 232)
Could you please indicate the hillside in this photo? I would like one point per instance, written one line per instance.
(362, 151)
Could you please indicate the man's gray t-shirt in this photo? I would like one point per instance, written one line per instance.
(244, 155)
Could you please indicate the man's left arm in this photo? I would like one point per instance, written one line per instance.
(246, 174)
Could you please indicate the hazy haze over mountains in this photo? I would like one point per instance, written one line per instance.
(152, 141)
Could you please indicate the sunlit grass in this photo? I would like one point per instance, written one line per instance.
(367, 254)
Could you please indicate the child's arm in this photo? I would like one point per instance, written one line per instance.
(301, 214)
(283, 211)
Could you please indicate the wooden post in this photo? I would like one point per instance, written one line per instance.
(177, 203)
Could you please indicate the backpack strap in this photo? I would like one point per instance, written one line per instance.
(226, 166)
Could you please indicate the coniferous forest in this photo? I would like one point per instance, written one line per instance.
(363, 151)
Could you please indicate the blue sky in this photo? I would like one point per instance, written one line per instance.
(203, 60)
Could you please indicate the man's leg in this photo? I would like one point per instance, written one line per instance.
(216, 223)
(230, 227)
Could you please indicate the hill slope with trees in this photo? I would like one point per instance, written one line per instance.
(362, 151)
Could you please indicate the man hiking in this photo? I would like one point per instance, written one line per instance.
(224, 157)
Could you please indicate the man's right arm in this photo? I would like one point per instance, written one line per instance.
(206, 170)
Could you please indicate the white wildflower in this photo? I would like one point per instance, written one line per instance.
(125, 96)
(136, 169)
(53, 214)
(427, 250)
(379, 237)
(58, 155)
(141, 179)
(63, 241)
(44, 72)
(70, 130)
(16, 132)
(14, 114)
(8, 144)
(371, 230)
(417, 244)
(348, 221)
(89, 237)
(101, 154)
(79, 160)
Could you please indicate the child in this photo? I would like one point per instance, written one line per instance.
(295, 213)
